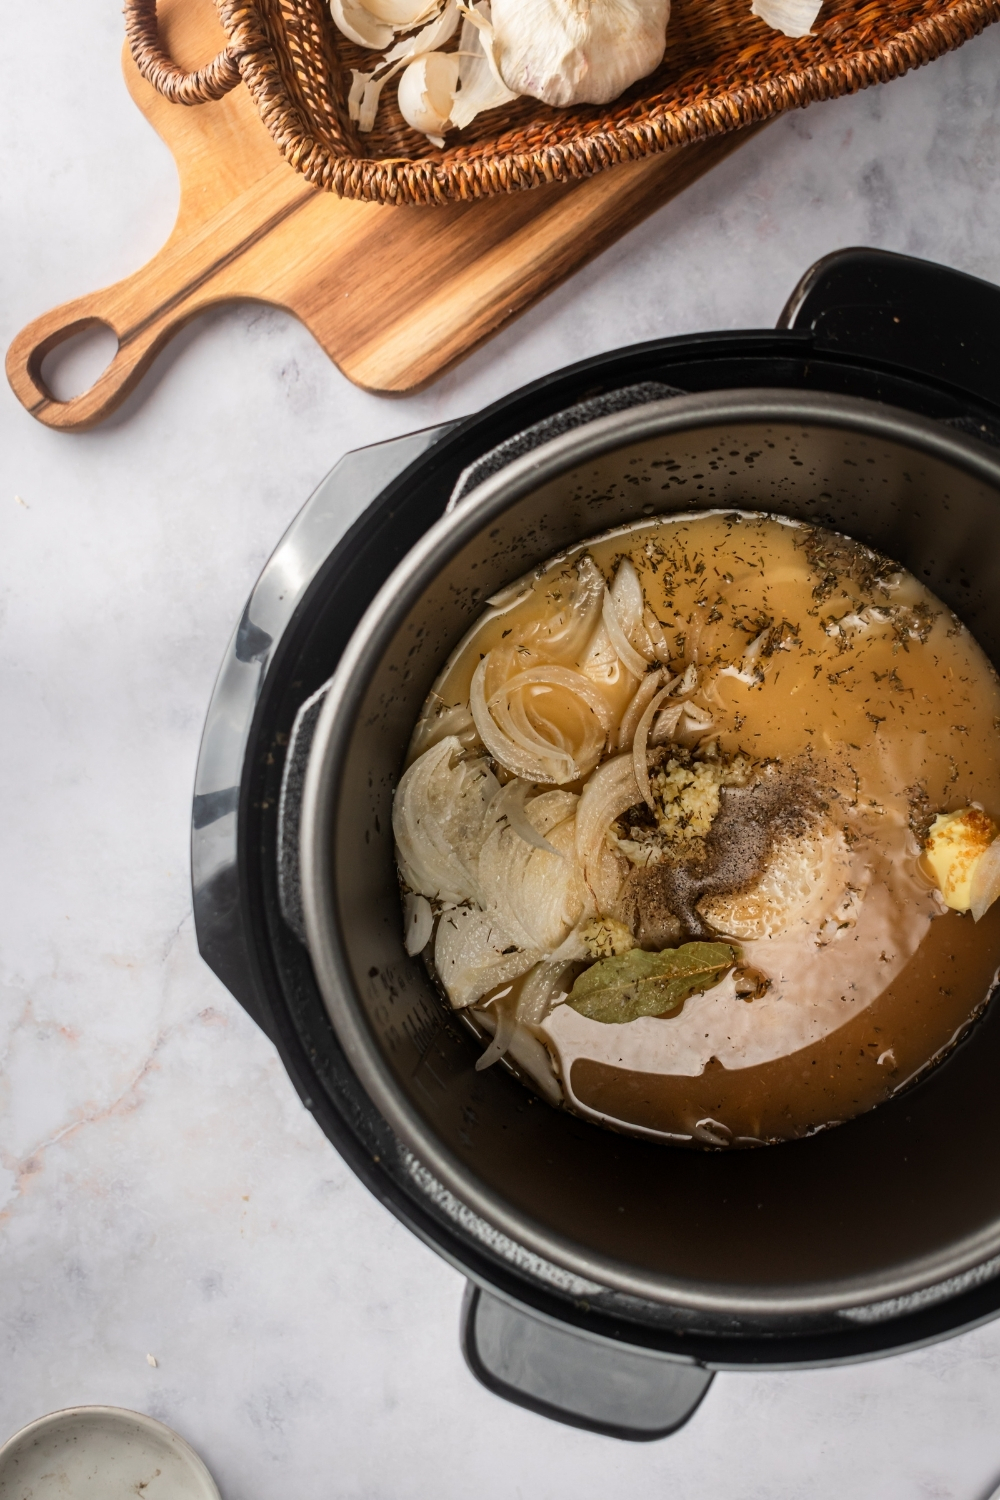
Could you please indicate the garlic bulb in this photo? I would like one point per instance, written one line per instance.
(577, 51)
(427, 92)
(480, 85)
(793, 17)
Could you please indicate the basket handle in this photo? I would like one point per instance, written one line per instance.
(212, 81)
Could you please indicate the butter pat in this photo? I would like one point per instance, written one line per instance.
(956, 843)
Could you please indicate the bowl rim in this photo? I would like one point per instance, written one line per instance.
(68, 1417)
(951, 1270)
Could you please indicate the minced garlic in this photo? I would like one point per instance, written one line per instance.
(955, 844)
(686, 803)
(606, 937)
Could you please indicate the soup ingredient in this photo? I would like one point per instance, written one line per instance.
(621, 989)
(955, 848)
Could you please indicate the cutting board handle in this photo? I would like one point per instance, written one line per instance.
(137, 348)
(213, 81)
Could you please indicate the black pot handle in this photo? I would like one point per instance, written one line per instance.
(615, 1389)
(895, 310)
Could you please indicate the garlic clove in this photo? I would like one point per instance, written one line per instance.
(793, 17)
(402, 14)
(480, 86)
(577, 51)
(359, 25)
(367, 87)
(427, 92)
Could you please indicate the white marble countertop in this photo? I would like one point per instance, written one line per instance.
(162, 1192)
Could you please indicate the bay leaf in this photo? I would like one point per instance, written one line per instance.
(623, 988)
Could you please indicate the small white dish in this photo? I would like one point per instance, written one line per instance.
(101, 1453)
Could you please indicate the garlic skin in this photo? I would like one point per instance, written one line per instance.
(375, 24)
(566, 52)
(792, 17)
(427, 92)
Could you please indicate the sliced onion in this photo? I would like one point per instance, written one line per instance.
(547, 809)
(418, 923)
(471, 955)
(600, 661)
(633, 713)
(441, 720)
(640, 769)
(607, 794)
(566, 632)
(985, 886)
(438, 819)
(530, 1056)
(538, 751)
(694, 724)
(665, 724)
(537, 896)
(564, 677)
(688, 682)
(626, 596)
(555, 767)
(657, 636)
(547, 983)
(505, 1023)
(635, 663)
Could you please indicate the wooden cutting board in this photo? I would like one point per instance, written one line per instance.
(393, 295)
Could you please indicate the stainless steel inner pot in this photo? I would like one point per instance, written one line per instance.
(848, 1226)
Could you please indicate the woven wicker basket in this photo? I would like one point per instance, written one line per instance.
(723, 69)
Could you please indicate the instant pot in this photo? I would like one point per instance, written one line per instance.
(609, 1276)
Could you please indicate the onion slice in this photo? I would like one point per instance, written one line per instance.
(547, 983)
(633, 712)
(607, 794)
(565, 677)
(438, 816)
(509, 804)
(639, 767)
(506, 1025)
(530, 1056)
(555, 768)
(418, 923)
(985, 885)
(664, 725)
(630, 657)
(626, 596)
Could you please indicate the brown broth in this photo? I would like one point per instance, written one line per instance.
(894, 712)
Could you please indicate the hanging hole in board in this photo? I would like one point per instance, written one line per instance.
(73, 365)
